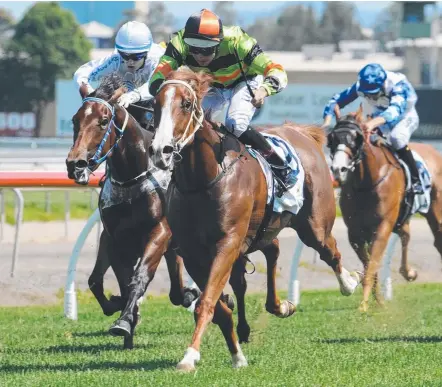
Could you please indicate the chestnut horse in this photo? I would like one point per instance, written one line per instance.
(131, 203)
(216, 207)
(372, 191)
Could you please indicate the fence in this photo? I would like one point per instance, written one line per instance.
(17, 180)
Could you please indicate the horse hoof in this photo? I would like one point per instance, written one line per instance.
(239, 361)
(286, 309)
(185, 367)
(190, 295)
(363, 307)
(243, 332)
(229, 300)
(120, 328)
(411, 275)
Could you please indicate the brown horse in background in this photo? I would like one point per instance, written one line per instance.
(216, 207)
(373, 188)
(131, 204)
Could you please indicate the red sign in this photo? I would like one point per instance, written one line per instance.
(17, 124)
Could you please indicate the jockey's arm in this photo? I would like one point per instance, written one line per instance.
(343, 98)
(275, 77)
(398, 104)
(95, 70)
(154, 58)
(170, 61)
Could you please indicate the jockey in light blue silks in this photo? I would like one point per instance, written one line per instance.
(389, 99)
(135, 53)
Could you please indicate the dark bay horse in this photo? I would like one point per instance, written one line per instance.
(131, 203)
(216, 203)
(372, 190)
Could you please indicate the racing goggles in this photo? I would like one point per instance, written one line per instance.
(135, 57)
(205, 51)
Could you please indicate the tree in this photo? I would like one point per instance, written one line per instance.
(6, 20)
(338, 23)
(226, 11)
(388, 24)
(48, 44)
(158, 19)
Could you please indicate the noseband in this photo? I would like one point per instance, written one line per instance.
(340, 131)
(96, 160)
(196, 116)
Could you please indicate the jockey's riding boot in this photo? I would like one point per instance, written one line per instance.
(279, 166)
(407, 156)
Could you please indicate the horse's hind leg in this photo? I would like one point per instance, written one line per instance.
(434, 219)
(95, 281)
(223, 318)
(239, 285)
(407, 272)
(273, 303)
(315, 236)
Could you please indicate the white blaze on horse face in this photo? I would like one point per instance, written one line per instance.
(87, 111)
(164, 133)
(341, 163)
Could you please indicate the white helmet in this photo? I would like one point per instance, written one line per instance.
(133, 37)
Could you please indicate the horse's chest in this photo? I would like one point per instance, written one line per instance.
(194, 223)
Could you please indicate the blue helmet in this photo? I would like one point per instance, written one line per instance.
(371, 79)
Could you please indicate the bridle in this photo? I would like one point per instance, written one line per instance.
(339, 131)
(96, 160)
(196, 117)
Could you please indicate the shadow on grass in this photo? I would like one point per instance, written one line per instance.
(93, 348)
(146, 366)
(392, 339)
(91, 334)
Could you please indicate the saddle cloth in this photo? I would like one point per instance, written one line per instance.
(292, 199)
(421, 202)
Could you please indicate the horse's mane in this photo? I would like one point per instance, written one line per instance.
(200, 82)
(312, 131)
(109, 84)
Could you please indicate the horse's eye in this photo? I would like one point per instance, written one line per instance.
(187, 105)
(104, 122)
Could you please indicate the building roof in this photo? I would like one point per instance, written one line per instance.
(296, 61)
(97, 30)
(420, 42)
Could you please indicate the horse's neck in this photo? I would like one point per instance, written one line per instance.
(199, 165)
(129, 159)
(372, 168)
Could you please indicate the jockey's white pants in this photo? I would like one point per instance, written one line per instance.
(233, 107)
(400, 135)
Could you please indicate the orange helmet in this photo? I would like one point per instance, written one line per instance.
(203, 29)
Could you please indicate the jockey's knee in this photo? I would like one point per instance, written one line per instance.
(399, 140)
(237, 126)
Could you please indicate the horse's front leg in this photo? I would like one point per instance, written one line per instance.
(156, 246)
(228, 250)
(377, 249)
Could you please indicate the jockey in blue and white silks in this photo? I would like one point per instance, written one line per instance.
(135, 53)
(389, 100)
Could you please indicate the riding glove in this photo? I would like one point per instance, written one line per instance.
(127, 98)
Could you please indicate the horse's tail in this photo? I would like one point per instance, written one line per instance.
(314, 132)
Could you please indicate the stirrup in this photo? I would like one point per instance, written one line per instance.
(417, 188)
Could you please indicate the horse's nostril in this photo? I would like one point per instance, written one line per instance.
(168, 149)
(81, 164)
(343, 169)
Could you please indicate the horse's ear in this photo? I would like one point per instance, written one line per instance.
(117, 94)
(84, 92)
(337, 112)
(358, 115)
